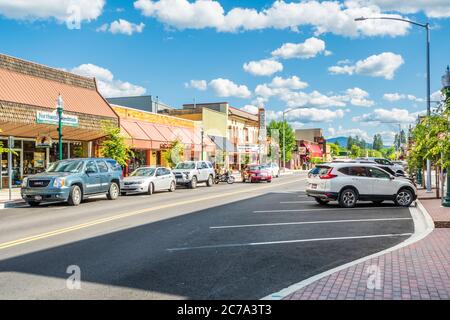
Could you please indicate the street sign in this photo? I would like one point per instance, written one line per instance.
(43, 117)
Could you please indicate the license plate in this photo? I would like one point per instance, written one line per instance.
(38, 198)
(313, 186)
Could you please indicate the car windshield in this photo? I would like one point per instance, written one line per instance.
(143, 172)
(254, 168)
(66, 166)
(185, 165)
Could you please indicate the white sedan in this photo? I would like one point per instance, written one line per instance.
(148, 180)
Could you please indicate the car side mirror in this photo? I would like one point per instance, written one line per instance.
(391, 177)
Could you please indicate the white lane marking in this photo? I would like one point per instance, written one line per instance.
(307, 222)
(289, 241)
(305, 201)
(326, 209)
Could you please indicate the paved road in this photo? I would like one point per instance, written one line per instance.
(241, 241)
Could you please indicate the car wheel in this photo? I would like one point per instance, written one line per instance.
(33, 203)
(269, 181)
(321, 201)
(404, 198)
(75, 196)
(172, 186)
(113, 192)
(209, 182)
(348, 198)
(193, 183)
(150, 189)
(378, 202)
(230, 180)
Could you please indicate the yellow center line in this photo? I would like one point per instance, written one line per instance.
(56, 232)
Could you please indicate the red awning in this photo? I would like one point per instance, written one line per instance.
(313, 150)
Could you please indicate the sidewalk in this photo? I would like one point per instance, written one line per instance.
(420, 270)
(15, 198)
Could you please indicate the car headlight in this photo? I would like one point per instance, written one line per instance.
(59, 182)
(25, 182)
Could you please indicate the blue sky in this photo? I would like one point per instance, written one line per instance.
(158, 47)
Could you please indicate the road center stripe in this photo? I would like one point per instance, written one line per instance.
(307, 222)
(56, 232)
(290, 241)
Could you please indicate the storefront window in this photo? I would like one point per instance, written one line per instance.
(33, 158)
(54, 152)
(78, 149)
(139, 160)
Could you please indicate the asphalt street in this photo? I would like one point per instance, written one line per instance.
(241, 241)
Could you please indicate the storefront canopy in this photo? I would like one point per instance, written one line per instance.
(313, 150)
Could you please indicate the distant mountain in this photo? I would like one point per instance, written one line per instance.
(341, 140)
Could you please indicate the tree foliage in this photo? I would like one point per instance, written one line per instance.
(279, 128)
(114, 146)
(377, 142)
(175, 153)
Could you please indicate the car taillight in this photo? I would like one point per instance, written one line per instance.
(328, 175)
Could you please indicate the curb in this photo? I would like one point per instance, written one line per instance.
(11, 204)
(423, 226)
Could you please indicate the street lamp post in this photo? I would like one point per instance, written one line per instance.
(427, 28)
(446, 85)
(59, 108)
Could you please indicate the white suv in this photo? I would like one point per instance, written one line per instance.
(349, 182)
(385, 162)
(192, 172)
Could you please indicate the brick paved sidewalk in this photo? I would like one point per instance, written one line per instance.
(418, 271)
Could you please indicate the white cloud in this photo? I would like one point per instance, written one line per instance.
(250, 109)
(432, 8)
(307, 115)
(122, 26)
(265, 67)
(387, 116)
(107, 85)
(353, 132)
(227, 88)
(381, 65)
(323, 16)
(392, 97)
(358, 97)
(437, 96)
(293, 82)
(71, 12)
(197, 84)
(306, 50)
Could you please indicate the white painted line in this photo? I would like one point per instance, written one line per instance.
(325, 209)
(305, 201)
(423, 226)
(307, 222)
(232, 245)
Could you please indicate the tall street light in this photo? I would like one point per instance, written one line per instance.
(446, 85)
(60, 108)
(427, 28)
(284, 132)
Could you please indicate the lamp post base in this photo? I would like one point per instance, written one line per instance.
(446, 202)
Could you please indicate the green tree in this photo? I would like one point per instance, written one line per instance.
(356, 151)
(279, 128)
(175, 153)
(114, 146)
(335, 149)
(377, 142)
(350, 143)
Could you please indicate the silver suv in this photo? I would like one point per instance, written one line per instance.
(190, 173)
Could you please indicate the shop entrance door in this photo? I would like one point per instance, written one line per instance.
(17, 168)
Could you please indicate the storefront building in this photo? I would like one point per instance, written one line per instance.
(235, 132)
(28, 95)
(152, 135)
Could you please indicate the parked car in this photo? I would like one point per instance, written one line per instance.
(73, 180)
(148, 180)
(190, 173)
(257, 173)
(274, 169)
(351, 182)
(385, 162)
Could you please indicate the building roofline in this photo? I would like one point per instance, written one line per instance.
(148, 112)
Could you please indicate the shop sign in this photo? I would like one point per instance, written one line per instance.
(43, 142)
(44, 117)
(302, 151)
(246, 148)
